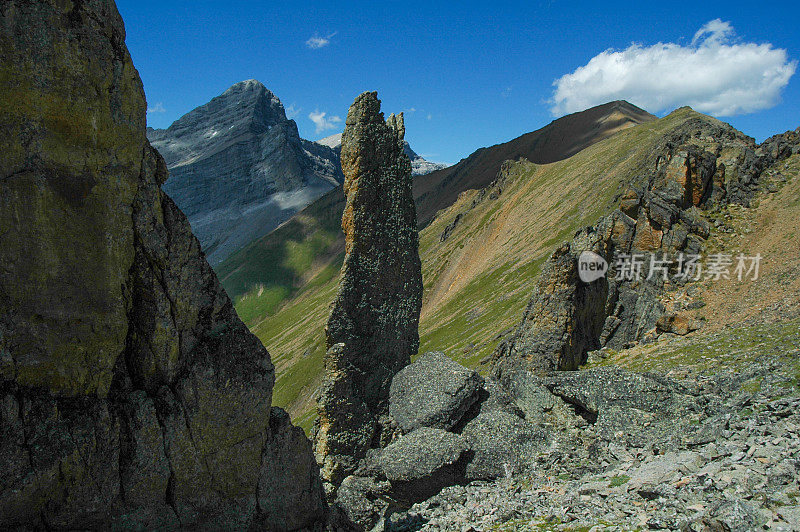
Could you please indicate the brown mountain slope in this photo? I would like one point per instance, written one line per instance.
(558, 140)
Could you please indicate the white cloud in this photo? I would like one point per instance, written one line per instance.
(315, 42)
(717, 30)
(292, 111)
(429, 117)
(713, 75)
(156, 109)
(323, 123)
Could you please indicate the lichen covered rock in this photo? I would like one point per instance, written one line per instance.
(564, 316)
(502, 445)
(132, 395)
(433, 392)
(421, 463)
(376, 312)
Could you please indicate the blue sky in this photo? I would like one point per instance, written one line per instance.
(472, 74)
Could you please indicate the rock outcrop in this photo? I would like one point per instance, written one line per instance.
(238, 167)
(467, 429)
(420, 464)
(372, 331)
(562, 320)
(701, 165)
(502, 444)
(131, 395)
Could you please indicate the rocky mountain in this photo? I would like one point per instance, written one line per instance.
(238, 167)
(682, 428)
(542, 377)
(131, 394)
(419, 166)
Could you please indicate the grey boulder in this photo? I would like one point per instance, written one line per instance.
(361, 503)
(433, 392)
(503, 444)
(421, 463)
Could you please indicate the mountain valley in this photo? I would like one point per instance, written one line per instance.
(220, 325)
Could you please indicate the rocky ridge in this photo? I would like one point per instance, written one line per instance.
(238, 167)
(701, 446)
(704, 165)
(131, 395)
(558, 140)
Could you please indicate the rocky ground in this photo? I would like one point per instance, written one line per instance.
(732, 462)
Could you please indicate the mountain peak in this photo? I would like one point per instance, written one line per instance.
(239, 167)
(334, 141)
(254, 91)
(245, 106)
(245, 86)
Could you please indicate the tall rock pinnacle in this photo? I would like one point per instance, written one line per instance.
(372, 331)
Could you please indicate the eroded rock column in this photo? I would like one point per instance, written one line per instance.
(373, 327)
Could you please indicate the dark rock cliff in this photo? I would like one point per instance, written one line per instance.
(131, 395)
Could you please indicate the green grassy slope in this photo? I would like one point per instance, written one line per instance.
(271, 269)
(477, 281)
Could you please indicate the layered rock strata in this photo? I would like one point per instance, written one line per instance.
(238, 167)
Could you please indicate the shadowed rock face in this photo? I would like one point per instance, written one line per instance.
(563, 319)
(373, 327)
(131, 395)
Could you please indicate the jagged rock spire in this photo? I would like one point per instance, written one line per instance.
(372, 331)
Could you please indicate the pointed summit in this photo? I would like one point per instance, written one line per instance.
(247, 85)
(245, 106)
(238, 167)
